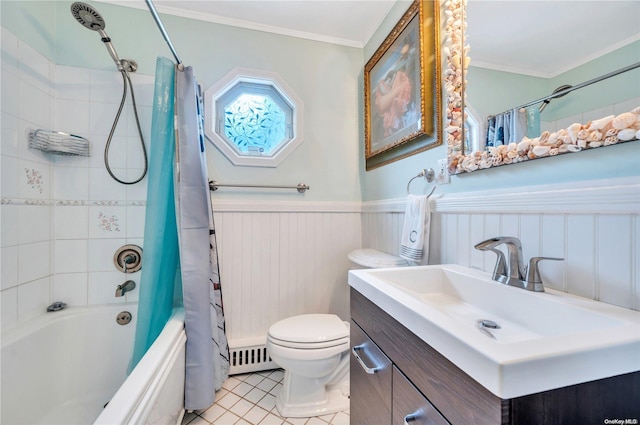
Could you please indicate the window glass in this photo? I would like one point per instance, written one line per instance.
(253, 121)
(254, 124)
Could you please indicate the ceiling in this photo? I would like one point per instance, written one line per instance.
(547, 38)
(535, 37)
(345, 22)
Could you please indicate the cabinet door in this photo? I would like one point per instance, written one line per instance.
(410, 407)
(370, 376)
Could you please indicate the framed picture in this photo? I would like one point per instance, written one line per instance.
(402, 88)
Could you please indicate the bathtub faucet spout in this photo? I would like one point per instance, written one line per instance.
(129, 285)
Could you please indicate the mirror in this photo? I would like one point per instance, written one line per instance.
(522, 52)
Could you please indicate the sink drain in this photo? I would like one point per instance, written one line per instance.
(486, 326)
(489, 324)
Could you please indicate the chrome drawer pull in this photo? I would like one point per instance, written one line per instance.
(369, 370)
(410, 418)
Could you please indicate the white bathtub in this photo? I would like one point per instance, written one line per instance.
(63, 367)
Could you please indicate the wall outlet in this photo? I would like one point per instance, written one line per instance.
(442, 174)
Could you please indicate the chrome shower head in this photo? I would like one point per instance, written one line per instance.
(89, 18)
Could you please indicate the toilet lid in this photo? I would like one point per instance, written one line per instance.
(310, 328)
(375, 259)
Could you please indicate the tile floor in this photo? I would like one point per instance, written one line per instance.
(250, 399)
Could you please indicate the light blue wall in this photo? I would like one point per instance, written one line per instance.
(390, 181)
(325, 76)
(612, 90)
(33, 22)
(490, 92)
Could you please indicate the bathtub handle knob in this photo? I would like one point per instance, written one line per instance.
(128, 258)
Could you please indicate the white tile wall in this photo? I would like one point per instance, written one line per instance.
(63, 217)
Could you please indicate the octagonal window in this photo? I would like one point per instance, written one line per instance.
(253, 118)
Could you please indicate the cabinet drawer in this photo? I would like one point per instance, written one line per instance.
(370, 376)
(410, 407)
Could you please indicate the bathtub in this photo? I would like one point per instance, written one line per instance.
(64, 367)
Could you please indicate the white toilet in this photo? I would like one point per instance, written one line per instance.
(313, 350)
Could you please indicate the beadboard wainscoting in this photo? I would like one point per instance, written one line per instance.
(594, 226)
(279, 259)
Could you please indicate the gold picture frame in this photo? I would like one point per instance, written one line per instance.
(402, 88)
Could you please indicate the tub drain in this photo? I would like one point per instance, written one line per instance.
(123, 318)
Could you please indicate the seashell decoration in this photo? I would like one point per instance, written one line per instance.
(541, 150)
(601, 123)
(623, 121)
(573, 131)
(605, 131)
(457, 62)
(626, 134)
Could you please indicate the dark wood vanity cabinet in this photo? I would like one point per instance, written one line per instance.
(370, 372)
(410, 406)
(415, 378)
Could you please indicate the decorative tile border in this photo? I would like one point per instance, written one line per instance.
(71, 203)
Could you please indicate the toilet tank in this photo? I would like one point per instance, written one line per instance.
(374, 259)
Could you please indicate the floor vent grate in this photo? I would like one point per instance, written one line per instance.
(250, 359)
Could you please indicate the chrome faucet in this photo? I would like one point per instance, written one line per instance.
(128, 286)
(516, 273)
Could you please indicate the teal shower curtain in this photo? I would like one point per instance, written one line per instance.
(159, 277)
(179, 240)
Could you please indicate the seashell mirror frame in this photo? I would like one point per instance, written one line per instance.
(606, 131)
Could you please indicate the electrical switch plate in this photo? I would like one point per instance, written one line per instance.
(442, 175)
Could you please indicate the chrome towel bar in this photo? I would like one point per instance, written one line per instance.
(301, 187)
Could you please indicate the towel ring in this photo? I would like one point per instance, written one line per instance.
(429, 175)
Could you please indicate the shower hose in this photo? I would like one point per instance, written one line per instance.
(126, 80)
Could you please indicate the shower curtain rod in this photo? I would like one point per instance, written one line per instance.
(301, 187)
(579, 86)
(156, 18)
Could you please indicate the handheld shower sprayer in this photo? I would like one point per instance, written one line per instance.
(89, 18)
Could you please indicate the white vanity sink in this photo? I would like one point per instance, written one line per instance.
(545, 340)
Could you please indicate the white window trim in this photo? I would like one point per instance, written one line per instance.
(225, 84)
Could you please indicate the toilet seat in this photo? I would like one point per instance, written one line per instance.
(308, 345)
(309, 331)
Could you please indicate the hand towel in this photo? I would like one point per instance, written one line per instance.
(415, 231)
